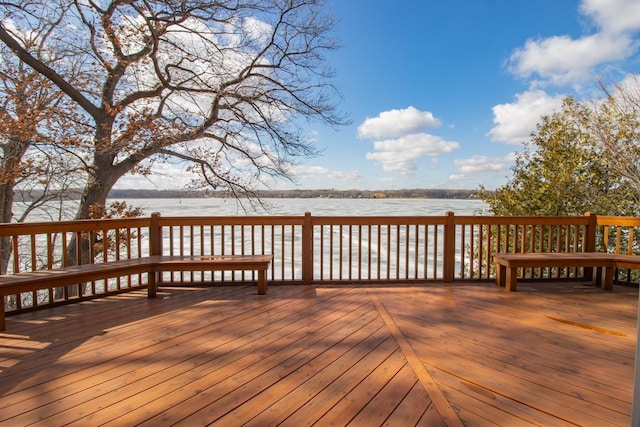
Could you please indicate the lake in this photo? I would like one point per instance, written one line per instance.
(393, 248)
(317, 207)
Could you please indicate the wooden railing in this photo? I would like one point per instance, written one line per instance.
(309, 249)
(480, 236)
(280, 236)
(44, 246)
(620, 235)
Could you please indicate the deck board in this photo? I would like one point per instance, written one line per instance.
(550, 354)
(512, 353)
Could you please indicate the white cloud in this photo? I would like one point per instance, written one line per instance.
(257, 29)
(562, 60)
(304, 171)
(515, 121)
(400, 140)
(402, 154)
(470, 168)
(395, 123)
(613, 16)
(479, 164)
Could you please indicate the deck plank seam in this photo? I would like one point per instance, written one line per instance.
(445, 409)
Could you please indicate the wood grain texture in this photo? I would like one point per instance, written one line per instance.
(551, 354)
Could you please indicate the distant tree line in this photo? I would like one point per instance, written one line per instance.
(302, 194)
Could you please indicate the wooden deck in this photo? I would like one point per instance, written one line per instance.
(467, 353)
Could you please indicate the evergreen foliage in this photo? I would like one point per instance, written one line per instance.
(565, 170)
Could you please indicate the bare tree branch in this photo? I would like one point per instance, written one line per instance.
(227, 80)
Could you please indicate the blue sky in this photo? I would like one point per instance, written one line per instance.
(442, 93)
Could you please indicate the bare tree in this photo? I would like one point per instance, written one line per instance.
(616, 124)
(220, 86)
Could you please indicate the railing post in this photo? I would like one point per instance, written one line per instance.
(590, 241)
(155, 248)
(449, 256)
(590, 232)
(307, 249)
(155, 235)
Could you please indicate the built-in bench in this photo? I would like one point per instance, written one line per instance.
(259, 263)
(508, 263)
(12, 284)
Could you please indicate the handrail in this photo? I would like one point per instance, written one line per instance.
(24, 228)
(312, 249)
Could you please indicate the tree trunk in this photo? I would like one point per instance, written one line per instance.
(6, 206)
(96, 191)
(99, 184)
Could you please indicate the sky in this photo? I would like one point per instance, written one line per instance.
(443, 93)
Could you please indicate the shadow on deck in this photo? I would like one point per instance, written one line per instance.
(466, 353)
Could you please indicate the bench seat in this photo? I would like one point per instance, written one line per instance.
(259, 263)
(28, 281)
(508, 263)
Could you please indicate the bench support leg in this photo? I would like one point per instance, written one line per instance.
(501, 272)
(512, 277)
(262, 282)
(608, 278)
(588, 273)
(152, 285)
(604, 277)
(3, 326)
(598, 277)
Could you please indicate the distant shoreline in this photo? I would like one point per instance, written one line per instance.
(302, 194)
